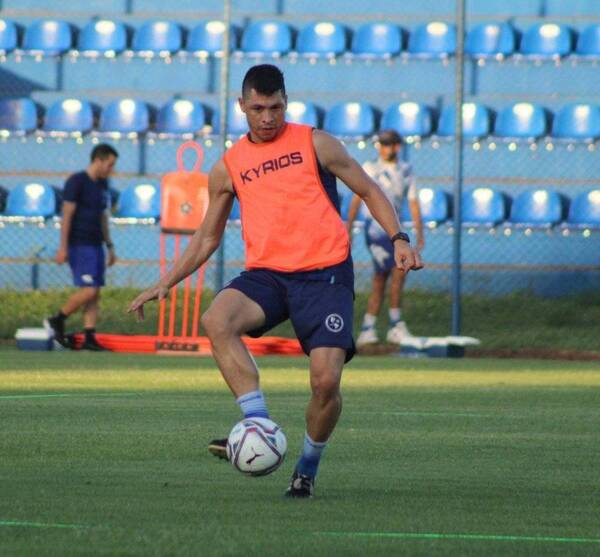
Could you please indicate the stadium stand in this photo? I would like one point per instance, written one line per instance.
(267, 37)
(435, 207)
(161, 38)
(125, 116)
(409, 119)
(476, 121)
(206, 38)
(351, 119)
(483, 207)
(584, 211)
(540, 208)
(547, 40)
(322, 39)
(488, 40)
(377, 40)
(588, 42)
(48, 38)
(236, 122)
(138, 202)
(432, 40)
(180, 117)
(31, 200)
(303, 113)
(522, 121)
(69, 116)
(577, 122)
(18, 116)
(8, 36)
(102, 37)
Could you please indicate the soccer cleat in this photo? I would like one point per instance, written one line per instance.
(57, 326)
(218, 447)
(301, 486)
(367, 336)
(93, 346)
(399, 333)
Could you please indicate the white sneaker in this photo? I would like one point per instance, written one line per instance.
(399, 333)
(367, 336)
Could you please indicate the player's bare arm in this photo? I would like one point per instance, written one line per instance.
(203, 243)
(112, 257)
(334, 157)
(68, 212)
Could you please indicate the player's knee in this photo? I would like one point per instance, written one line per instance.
(215, 324)
(325, 386)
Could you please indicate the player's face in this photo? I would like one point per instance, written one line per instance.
(388, 153)
(265, 114)
(106, 166)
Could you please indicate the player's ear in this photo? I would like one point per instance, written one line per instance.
(242, 104)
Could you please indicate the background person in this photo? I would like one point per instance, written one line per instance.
(84, 229)
(397, 181)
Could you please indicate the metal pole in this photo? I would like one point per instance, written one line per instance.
(223, 108)
(458, 166)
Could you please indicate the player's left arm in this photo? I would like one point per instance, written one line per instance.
(415, 211)
(334, 157)
(112, 256)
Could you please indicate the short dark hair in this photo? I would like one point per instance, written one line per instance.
(389, 137)
(265, 79)
(103, 151)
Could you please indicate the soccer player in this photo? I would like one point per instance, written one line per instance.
(298, 263)
(397, 181)
(84, 229)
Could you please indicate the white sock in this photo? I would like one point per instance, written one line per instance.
(395, 315)
(369, 321)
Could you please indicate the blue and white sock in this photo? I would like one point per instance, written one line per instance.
(308, 464)
(253, 405)
(369, 321)
(395, 316)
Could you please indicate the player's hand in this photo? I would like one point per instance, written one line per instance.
(157, 292)
(61, 256)
(112, 257)
(406, 257)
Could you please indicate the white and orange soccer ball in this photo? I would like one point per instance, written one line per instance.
(256, 446)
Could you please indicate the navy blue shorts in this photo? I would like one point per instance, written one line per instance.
(318, 303)
(382, 252)
(87, 265)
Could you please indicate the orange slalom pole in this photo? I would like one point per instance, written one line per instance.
(163, 302)
(173, 308)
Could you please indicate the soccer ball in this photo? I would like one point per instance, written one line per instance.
(256, 446)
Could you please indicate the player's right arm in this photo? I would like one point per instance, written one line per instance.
(68, 211)
(203, 243)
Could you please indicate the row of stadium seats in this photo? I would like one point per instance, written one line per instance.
(481, 206)
(320, 39)
(573, 122)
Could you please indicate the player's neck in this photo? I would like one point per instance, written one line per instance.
(92, 173)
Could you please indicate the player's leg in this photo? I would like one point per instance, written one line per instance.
(321, 314)
(398, 331)
(250, 304)
(90, 318)
(368, 332)
(80, 298)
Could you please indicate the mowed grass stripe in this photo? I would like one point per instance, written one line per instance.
(286, 379)
(475, 537)
(29, 524)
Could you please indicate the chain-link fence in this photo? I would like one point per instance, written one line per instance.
(505, 249)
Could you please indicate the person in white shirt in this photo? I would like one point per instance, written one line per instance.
(397, 180)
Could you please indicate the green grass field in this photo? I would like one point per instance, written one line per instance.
(104, 454)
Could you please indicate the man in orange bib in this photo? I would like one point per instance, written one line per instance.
(298, 263)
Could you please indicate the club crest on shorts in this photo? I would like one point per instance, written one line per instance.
(334, 323)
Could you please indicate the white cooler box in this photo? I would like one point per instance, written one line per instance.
(34, 339)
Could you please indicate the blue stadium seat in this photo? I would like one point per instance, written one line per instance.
(488, 40)
(547, 40)
(157, 37)
(584, 211)
(18, 116)
(139, 201)
(181, 116)
(537, 208)
(483, 207)
(303, 113)
(3, 196)
(48, 37)
(236, 120)
(434, 205)
(476, 121)
(102, 36)
(322, 39)
(588, 43)
(125, 116)
(267, 37)
(8, 36)
(31, 200)
(377, 40)
(521, 121)
(207, 38)
(350, 119)
(577, 122)
(432, 40)
(69, 116)
(409, 119)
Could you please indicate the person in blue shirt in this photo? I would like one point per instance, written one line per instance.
(84, 230)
